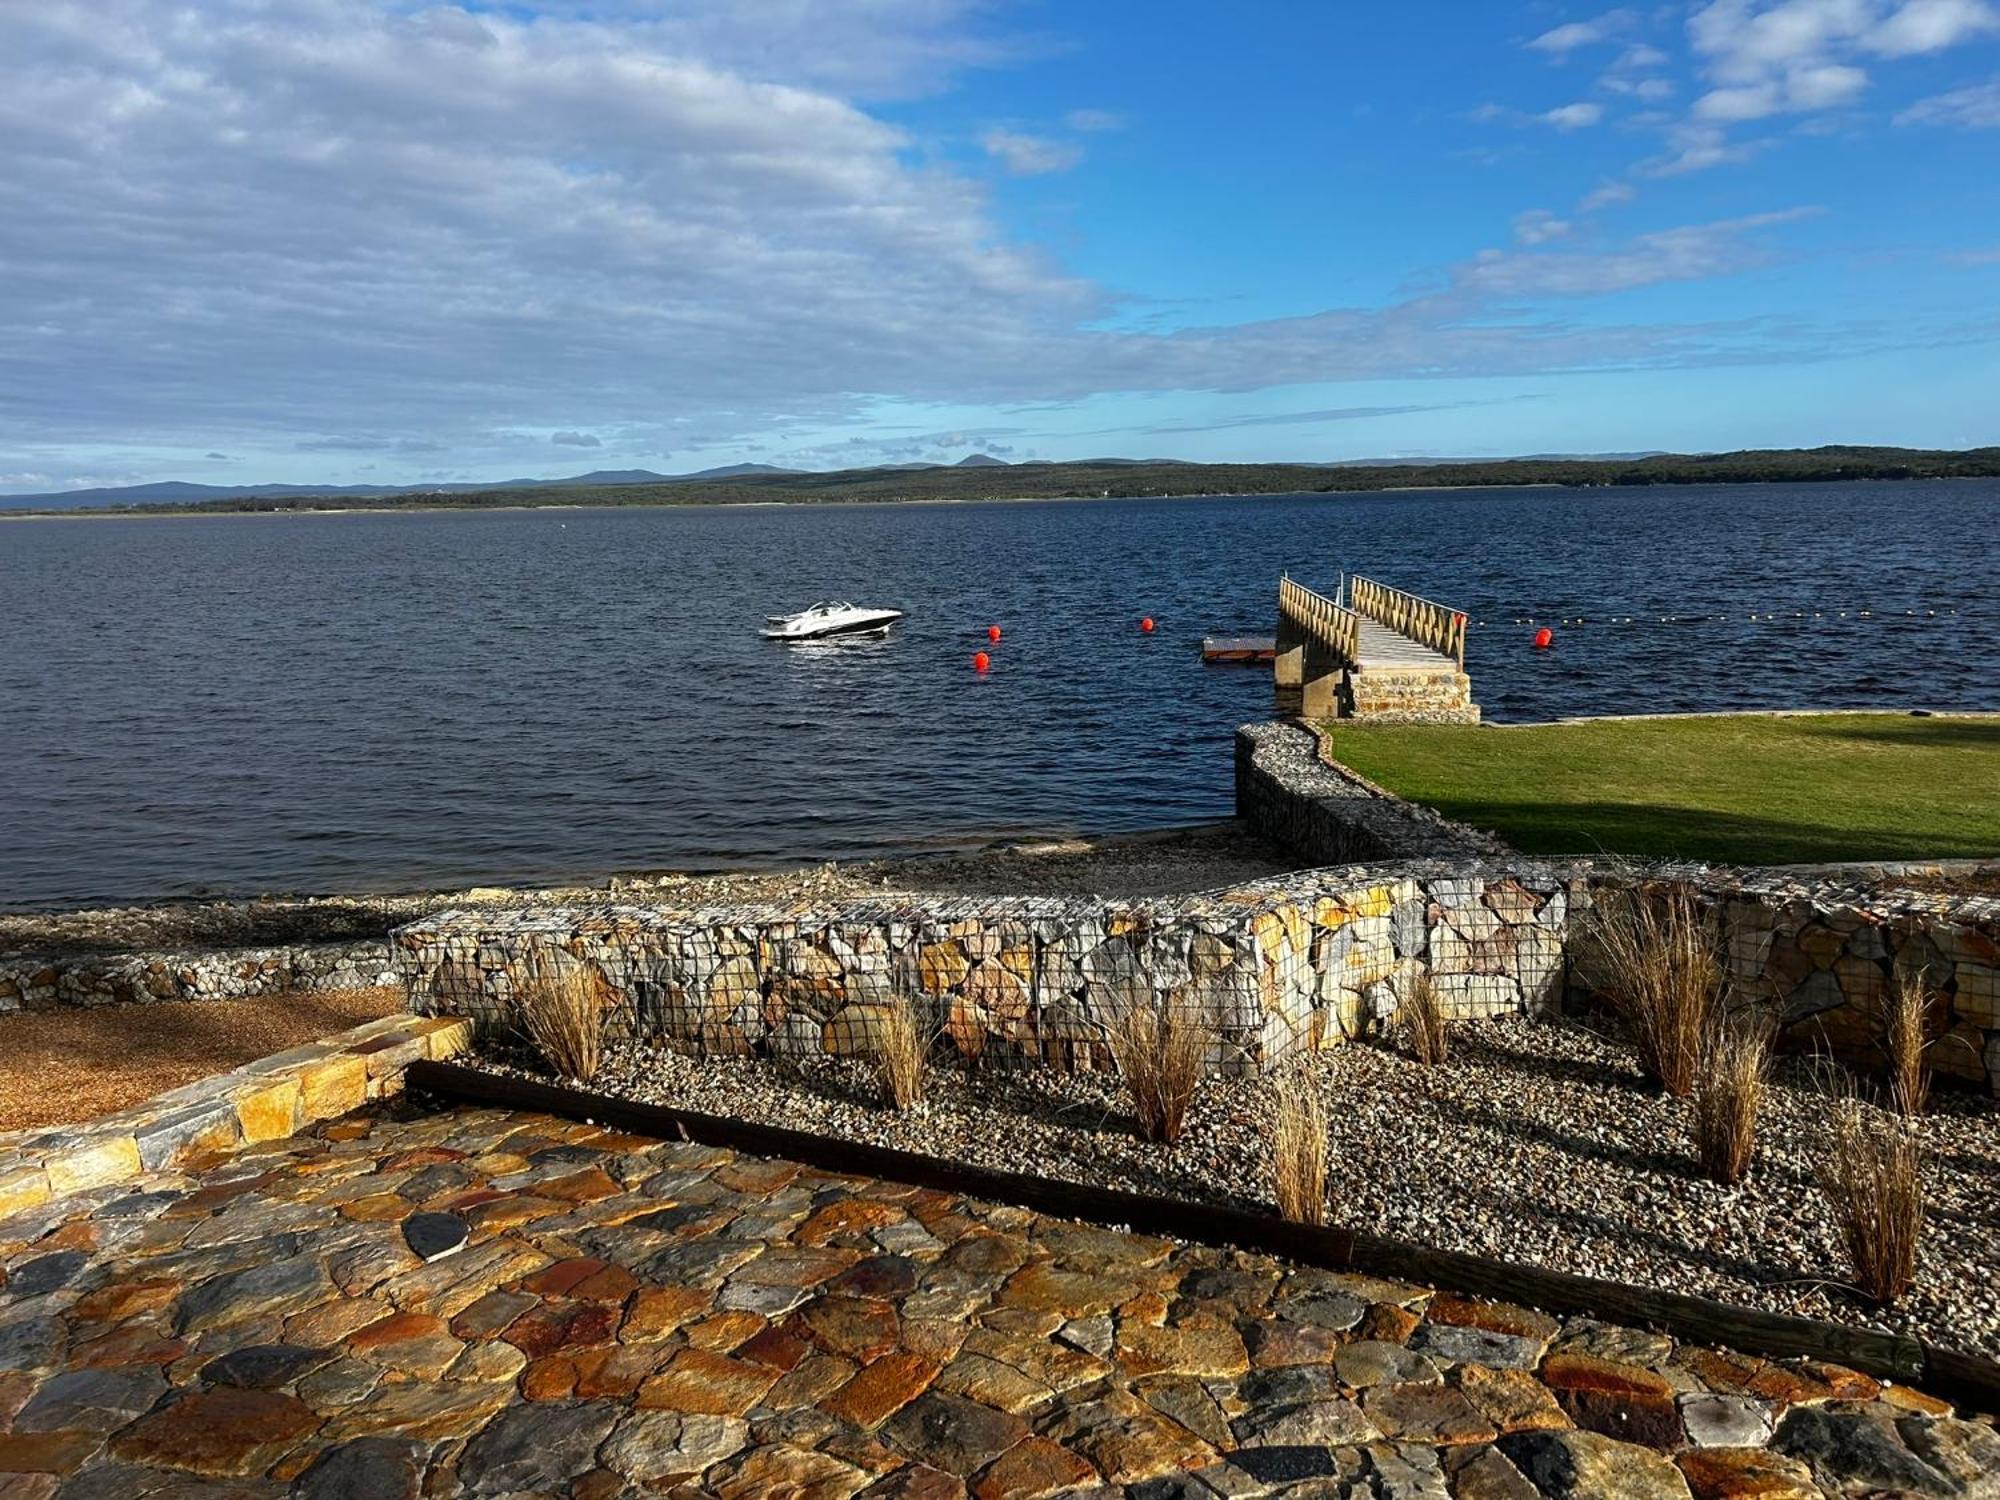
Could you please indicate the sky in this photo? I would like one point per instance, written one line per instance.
(359, 241)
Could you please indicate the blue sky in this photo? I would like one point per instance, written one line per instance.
(357, 241)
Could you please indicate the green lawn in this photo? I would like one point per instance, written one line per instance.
(1740, 789)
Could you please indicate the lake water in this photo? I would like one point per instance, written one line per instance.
(342, 702)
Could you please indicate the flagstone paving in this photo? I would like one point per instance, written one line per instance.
(484, 1303)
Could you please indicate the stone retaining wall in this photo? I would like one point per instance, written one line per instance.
(265, 1100)
(1327, 815)
(37, 982)
(1293, 963)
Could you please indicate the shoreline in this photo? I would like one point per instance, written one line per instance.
(152, 513)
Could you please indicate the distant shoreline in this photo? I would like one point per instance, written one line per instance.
(212, 511)
(1036, 480)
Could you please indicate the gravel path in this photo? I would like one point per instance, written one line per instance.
(1536, 1142)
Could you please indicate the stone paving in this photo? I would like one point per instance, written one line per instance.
(485, 1303)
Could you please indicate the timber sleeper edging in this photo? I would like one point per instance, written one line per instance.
(1971, 1380)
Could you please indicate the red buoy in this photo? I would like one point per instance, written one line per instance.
(1147, 624)
(1544, 638)
(981, 661)
(992, 632)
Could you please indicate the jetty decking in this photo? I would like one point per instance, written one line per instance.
(1375, 653)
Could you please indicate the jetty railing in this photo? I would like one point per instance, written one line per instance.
(1330, 625)
(1422, 620)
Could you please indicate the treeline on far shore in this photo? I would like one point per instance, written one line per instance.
(1122, 478)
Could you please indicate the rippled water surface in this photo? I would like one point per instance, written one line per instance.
(329, 702)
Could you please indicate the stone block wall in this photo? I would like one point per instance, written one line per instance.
(1301, 962)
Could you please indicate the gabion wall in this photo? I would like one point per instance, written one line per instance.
(1267, 970)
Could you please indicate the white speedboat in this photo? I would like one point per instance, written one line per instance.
(830, 618)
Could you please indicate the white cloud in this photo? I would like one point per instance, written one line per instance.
(1973, 108)
(1932, 26)
(1578, 116)
(1975, 257)
(1607, 195)
(1801, 56)
(1691, 252)
(1538, 227)
(567, 439)
(1568, 38)
(1026, 155)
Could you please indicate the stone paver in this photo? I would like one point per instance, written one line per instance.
(482, 1303)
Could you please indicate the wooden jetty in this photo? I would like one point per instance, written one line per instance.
(1376, 652)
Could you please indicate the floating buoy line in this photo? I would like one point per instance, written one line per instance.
(1753, 617)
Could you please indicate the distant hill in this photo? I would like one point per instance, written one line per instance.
(178, 492)
(986, 478)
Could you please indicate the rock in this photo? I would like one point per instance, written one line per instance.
(1725, 1421)
(366, 1469)
(45, 1273)
(1426, 1413)
(1966, 1451)
(1590, 1466)
(1032, 1467)
(1327, 1423)
(218, 1432)
(1490, 1475)
(1476, 1346)
(100, 1400)
(279, 1286)
(432, 1236)
(651, 1445)
(953, 1434)
(537, 1447)
(1747, 1474)
(1856, 1449)
(1370, 1362)
(263, 1367)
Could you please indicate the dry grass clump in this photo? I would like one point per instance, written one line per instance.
(1423, 1019)
(1298, 1150)
(1871, 1173)
(1728, 1092)
(561, 1004)
(1664, 978)
(1159, 1054)
(903, 1062)
(1906, 1018)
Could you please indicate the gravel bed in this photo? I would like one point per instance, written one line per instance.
(1536, 1142)
(1118, 867)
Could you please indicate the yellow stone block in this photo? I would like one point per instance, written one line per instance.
(333, 1087)
(23, 1189)
(269, 1113)
(447, 1036)
(95, 1163)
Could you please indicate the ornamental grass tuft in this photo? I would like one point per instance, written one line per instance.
(561, 1005)
(1728, 1093)
(1907, 1009)
(1298, 1150)
(1662, 975)
(1871, 1173)
(1159, 1054)
(1423, 1020)
(902, 1063)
